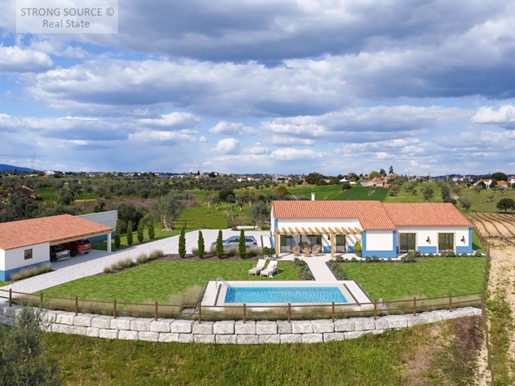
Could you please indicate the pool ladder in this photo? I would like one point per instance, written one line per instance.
(220, 278)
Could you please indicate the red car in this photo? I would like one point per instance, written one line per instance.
(79, 246)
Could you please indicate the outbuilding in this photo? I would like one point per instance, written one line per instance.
(26, 243)
(384, 230)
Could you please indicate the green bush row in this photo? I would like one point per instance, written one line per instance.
(305, 272)
(29, 272)
(337, 270)
(143, 258)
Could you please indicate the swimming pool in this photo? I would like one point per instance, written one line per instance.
(284, 294)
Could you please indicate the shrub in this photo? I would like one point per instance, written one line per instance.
(409, 258)
(151, 230)
(108, 270)
(201, 247)
(142, 258)
(337, 270)
(194, 251)
(357, 247)
(156, 254)
(305, 272)
(32, 271)
(253, 252)
(231, 252)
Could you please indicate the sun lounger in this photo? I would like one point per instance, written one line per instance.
(258, 268)
(270, 270)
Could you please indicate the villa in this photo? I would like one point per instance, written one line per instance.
(385, 230)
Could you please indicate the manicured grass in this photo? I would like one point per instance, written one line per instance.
(481, 202)
(370, 360)
(2, 283)
(156, 281)
(361, 193)
(430, 277)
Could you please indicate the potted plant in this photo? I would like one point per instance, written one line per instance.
(357, 248)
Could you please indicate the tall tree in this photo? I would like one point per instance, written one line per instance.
(129, 233)
(259, 213)
(117, 234)
(168, 208)
(242, 249)
(506, 204)
(201, 246)
(141, 230)
(219, 245)
(182, 243)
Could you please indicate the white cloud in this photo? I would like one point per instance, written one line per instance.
(17, 59)
(504, 116)
(228, 146)
(172, 120)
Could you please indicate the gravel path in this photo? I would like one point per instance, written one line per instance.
(94, 262)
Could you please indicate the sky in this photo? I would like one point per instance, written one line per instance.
(278, 87)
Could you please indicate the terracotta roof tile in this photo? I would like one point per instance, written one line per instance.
(426, 214)
(370, 214)
(18, 234)
(374, 215)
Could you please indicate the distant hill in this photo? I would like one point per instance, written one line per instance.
(17, 168)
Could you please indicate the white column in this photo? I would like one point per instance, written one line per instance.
(109, 242)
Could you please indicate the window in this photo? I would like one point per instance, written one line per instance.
(445, 242)
(407, 242)
(340, 242)
(28, 253)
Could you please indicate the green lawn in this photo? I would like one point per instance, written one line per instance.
(156, 281)
(404, 196)
(430, 277)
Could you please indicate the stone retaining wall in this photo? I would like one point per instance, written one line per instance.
(233, 332)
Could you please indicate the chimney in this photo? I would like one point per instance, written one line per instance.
(312, 196)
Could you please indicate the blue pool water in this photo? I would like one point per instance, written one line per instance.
(308, 294)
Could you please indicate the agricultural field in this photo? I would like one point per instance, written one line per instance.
(495, 226)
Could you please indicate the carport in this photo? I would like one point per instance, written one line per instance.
(26, 243)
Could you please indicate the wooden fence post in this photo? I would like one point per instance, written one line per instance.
(375, 309)
(114, 308)
(332, 313)
(10, 297)
(76, 305)
(41, 300)
(199, 313)
(450, 302)
(289, 312)
(414, 306)
(244, 313)
(156, 312)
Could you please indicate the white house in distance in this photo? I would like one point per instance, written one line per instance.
(384, 230)
(26, 243)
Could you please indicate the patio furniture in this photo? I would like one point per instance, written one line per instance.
(270, 270)
(315, 250)
(295, 251)
(258, 268)
(306, 251)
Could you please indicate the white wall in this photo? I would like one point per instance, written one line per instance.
(15, 258)
(379, 241)
(105, 218)
(423, 233)
(2, 260)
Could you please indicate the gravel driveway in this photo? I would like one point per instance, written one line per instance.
(94, 262)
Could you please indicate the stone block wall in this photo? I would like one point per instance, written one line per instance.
(230, 331)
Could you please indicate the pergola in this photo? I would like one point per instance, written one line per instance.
(314, 231)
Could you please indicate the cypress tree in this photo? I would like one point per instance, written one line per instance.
(182, 244)
(129, 233)
(219, 246)
(141, 229)
(117, 232)
(241, 245)
(201, 246)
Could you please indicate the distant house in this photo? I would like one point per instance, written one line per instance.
(486, 181)
(502, 184)
(384, 230)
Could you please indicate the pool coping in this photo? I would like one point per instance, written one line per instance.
(214, 295)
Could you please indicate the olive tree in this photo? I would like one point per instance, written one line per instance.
(259, 213)
(168, 208)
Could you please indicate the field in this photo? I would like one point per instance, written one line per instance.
(411, 356)
(430, 277)
(498, 226)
